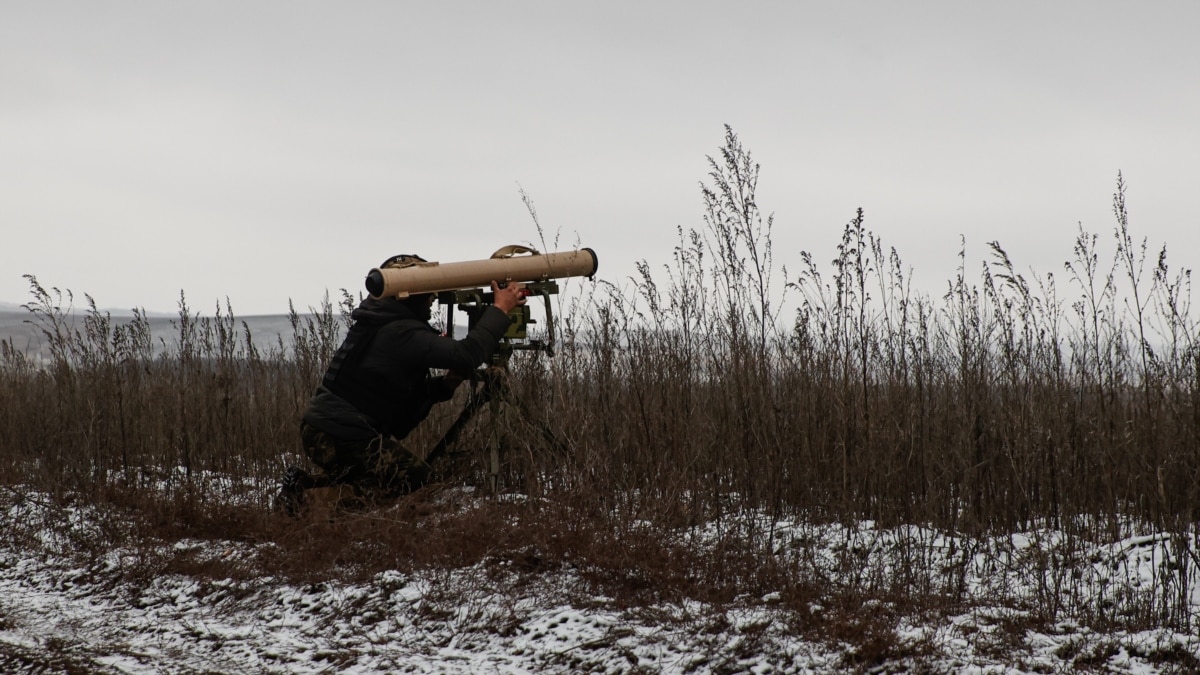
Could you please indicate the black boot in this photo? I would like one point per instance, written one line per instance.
(290, 498)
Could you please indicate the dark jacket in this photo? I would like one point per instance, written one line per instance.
(378, 382)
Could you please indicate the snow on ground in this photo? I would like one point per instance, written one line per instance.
(59, 614)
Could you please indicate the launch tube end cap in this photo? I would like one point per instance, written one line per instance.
(375, 283)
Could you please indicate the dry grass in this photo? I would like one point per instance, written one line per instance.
(719, 385)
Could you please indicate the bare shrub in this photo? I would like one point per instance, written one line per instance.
(718, 386)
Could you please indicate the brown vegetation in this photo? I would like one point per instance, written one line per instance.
(717, 387)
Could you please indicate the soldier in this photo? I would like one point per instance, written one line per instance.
(379, 387)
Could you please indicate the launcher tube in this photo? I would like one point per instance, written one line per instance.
(435, 277)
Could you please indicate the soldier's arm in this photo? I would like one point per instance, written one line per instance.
(468, 353)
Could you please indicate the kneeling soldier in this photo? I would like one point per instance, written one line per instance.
(379, 387)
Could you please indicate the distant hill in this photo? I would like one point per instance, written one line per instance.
(265, 330)
(26, 338)
(15, 307)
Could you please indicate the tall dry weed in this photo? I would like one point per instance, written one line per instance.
(717, 385)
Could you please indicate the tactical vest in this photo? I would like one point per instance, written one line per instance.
(395, 404)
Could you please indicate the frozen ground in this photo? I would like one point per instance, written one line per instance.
(59, 614)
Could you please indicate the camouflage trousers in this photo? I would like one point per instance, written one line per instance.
(380, 465)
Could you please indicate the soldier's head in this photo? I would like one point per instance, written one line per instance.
(421, 304)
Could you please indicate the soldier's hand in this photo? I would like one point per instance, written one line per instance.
(509, 296)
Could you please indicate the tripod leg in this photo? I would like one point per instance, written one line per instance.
(456, 429)
(494, 446)
(508, 413)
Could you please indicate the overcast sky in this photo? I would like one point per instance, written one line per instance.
(267, 151)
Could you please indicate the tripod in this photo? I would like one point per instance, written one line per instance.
(495, 391)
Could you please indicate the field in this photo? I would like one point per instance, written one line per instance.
(724, 468)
